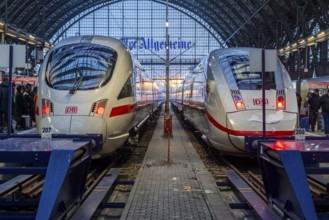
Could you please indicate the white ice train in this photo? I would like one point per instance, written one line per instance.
(223, 100)
(92, 85)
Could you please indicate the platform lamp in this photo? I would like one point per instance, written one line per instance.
(2, 31)
(167, 117)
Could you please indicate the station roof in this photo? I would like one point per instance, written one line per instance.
(263, 23)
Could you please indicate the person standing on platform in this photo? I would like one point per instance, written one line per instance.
(28, 102)
(4, 102)
(313, 103)
(306, 107)
(34, 100)
(324, 104)
(299, 101)
(19, 107)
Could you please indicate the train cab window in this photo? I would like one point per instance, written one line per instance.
(238, 73)
(253, 81)
(81, 66)
(127, 90)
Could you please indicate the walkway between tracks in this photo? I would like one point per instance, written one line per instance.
(180, 189)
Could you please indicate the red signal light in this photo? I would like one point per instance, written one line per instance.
(100, 110)
(45, 110)
(279, 145)
(99, 107)
(238, 102)
(46, 107)
(280, 103)
(239, 105)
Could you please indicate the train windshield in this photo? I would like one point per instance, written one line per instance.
(238, 72)
(80, 67)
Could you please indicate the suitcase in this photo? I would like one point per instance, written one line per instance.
(28, 121)
(304, 123)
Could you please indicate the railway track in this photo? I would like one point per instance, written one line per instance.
(28, 191)
(247, 169)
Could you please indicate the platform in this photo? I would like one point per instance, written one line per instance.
(180, 189)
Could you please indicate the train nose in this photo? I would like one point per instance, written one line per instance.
(250, 123)
(88, 125)
(74, 125)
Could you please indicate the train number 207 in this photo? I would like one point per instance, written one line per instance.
(46, 129)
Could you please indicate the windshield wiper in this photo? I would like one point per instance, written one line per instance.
(77, 82)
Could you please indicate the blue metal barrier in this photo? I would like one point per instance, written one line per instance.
(64, 162)
(285, 165)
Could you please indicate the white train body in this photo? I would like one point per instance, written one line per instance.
(223, 100)
(90, 85)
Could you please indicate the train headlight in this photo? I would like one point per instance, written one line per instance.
(98, 108)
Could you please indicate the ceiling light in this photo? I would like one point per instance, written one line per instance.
(310, 41)
(321, 36)
(311, 38)
(9, 34)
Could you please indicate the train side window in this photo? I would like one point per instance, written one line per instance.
(127, 90)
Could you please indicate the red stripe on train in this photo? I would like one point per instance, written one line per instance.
(246, 133)
(121, 110)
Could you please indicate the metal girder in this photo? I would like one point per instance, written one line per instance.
(17, 10)
(243, 24)
(60, 14)
(234, 20)
(202, 16)
(25, 15)
(182, 8)
(48, 28)
(324, 7)
(245, 12)
(253, 23)
(223, 19)
(56, 34)
(279, 11)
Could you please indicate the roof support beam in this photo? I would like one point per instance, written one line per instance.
(251, 17)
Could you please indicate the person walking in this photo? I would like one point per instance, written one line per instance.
(313, 103)
(324, 104)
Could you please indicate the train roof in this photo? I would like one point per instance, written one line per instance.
(319, 79)
(233, 51)
(318, 82)
(246, 49)
(102, 40)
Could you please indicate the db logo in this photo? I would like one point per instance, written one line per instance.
(71, 110)
(259, 101)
